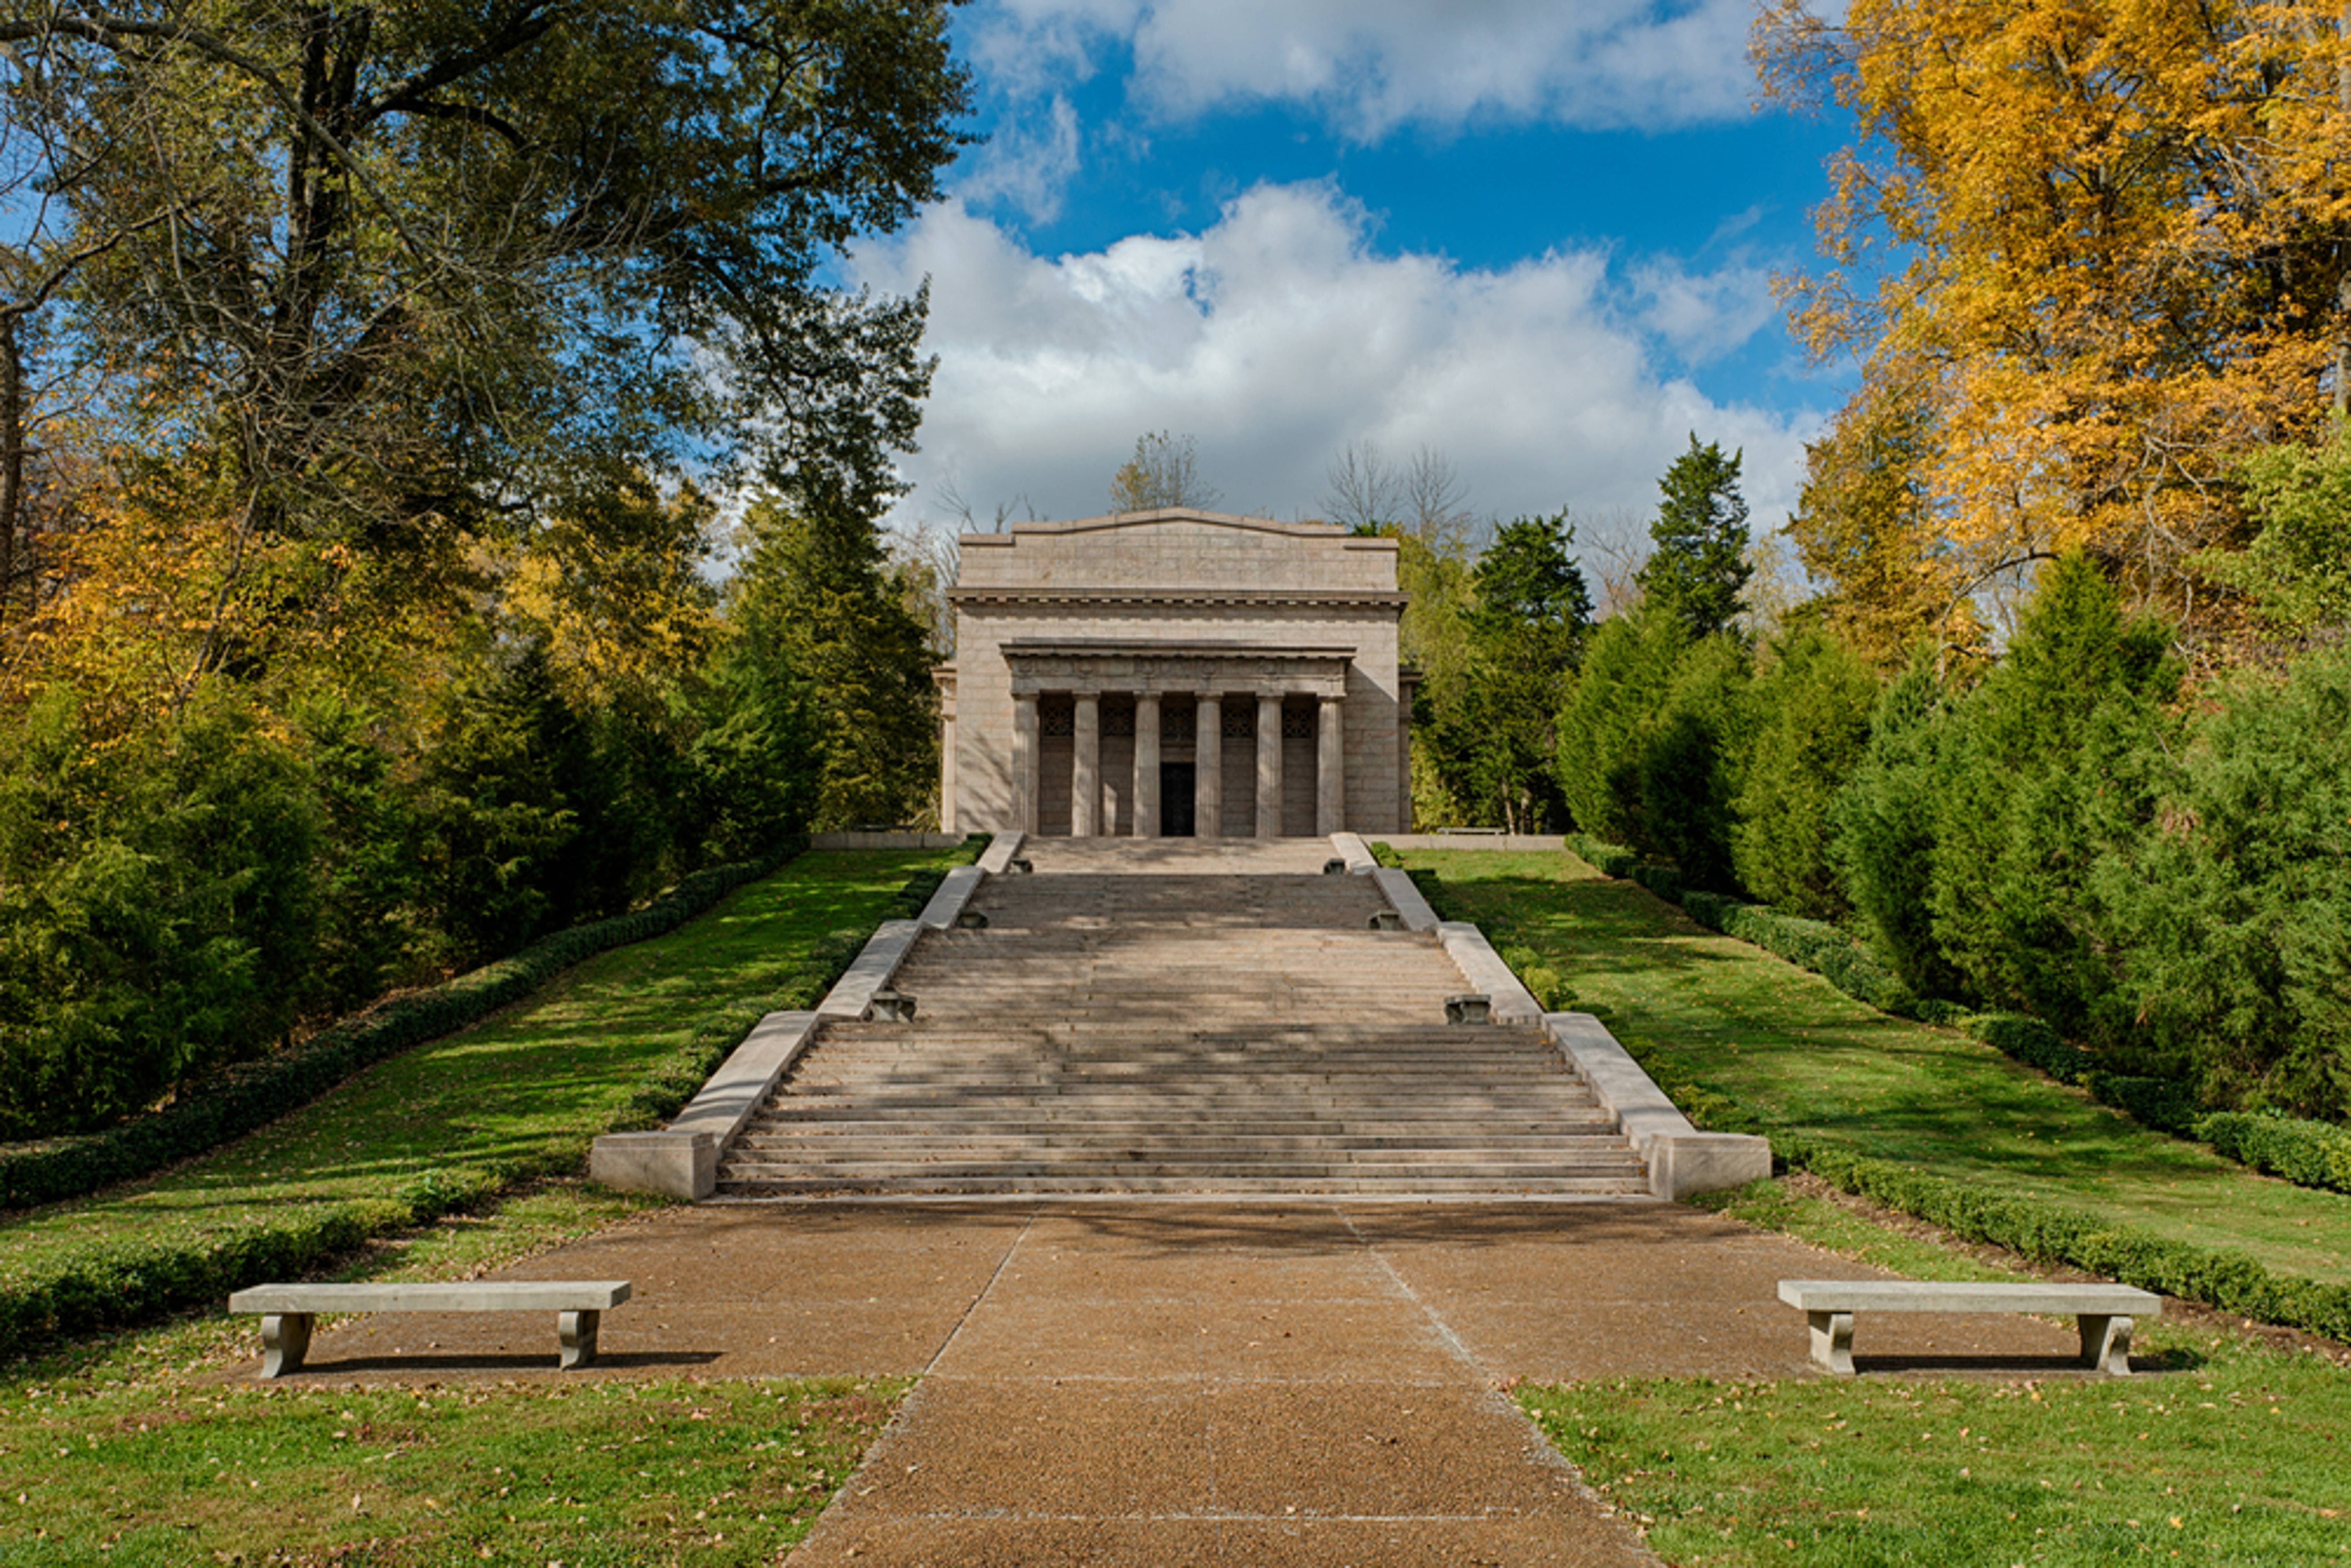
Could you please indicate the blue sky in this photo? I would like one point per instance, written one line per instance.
(1535, 234)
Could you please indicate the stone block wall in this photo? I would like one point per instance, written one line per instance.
(1172, 581)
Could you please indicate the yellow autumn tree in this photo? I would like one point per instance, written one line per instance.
(614, 591)
(2104, 244)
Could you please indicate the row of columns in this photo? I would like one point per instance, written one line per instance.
(1207, 765)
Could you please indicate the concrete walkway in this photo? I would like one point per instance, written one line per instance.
(1123, 1382)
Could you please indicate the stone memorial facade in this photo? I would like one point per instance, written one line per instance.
(1175, 673)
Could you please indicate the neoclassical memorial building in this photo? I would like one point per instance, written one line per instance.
(1175, 673)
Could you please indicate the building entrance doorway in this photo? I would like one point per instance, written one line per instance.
(1175, 801)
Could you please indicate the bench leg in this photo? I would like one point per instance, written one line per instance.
(285, 1341)
(576, 1331)
(2106, 1342)
(1832, 1340)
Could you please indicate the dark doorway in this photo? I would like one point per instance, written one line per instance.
(1175, 801)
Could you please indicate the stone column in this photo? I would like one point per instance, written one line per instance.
(946, 770)
(1209, 769)
(1146, 765)
(1025, 752)
(1269, 767)
(1329, 769)
(1085, 773)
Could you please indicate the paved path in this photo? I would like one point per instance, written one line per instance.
(1125, 1382)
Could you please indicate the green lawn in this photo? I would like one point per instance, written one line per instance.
(459, 1119)
(131, 1448)
(1804, 1057)
(2232, 1457)
(675, 1472)
(2222, 1450)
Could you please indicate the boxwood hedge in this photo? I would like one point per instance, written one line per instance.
(2051, 1233)
(116, 1282)
(2308, 1154)
(243, 1097)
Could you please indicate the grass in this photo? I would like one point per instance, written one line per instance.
(457, 1120)
(1804, 1057)
(704, 1473)
(135, 1448)
(2229, 1453)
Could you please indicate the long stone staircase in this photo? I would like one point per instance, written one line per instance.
(1171, 1018)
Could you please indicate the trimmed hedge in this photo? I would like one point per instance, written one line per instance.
(2308, 1154)
(2031, 1042)
(1609, 859)
(240, 1099)
(2163, 1103)
(2052, 1234)
(121, 1284)
(1814, 944)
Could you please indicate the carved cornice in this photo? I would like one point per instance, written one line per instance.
(1131, 598)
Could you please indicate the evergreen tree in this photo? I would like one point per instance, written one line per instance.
(1526, 631)
(1700, 566)
(1690, 749)
(1627, 670)
(820, 598)
(2237, 949)
(1811, 707)
(1883, 821)
(2045, 771)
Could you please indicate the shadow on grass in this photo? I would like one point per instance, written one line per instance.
(429, 1363)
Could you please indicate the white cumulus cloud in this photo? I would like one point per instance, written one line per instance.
(1278, 335)
(1370, 66)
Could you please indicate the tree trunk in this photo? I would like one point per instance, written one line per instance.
(12, 459)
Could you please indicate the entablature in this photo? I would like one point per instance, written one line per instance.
(1160, 668)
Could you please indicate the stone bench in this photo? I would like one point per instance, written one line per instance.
(286, 1311)
(2102, 1313)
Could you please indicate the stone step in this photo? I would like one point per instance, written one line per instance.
(1235, 1032)
(1174, 1071)
(749, 1185)
(1565, 1153)
(1174, 1079)
(1180, 1078)
(1130, 1045)
(1298, 1107)
(1087, 1118)
(885, 1169)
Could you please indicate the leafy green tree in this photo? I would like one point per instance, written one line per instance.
(1434, 639)
(1810, 706)
(157, 913)
(2296, 572)
(438, 270)
(1698, 568)
(818, 596)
